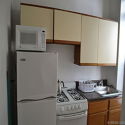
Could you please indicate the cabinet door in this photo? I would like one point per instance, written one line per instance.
(114, 117)
(115, 103)
(37, 16)
(98, 119)
(97, 106)
(89, 43)
(107, 46)
(67, 26)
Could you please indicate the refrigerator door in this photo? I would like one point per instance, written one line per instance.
(37, 112)
(36, 75)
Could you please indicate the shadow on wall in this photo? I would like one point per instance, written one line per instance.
(115, 9)
(110, 73)
(105, 9)
(10, 67)
(111, 9)
(11, 82)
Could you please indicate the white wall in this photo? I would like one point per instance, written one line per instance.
(5, 6)
(121, 68)
(83, 6)
(100, 8)
(114, 9)
(68, 70)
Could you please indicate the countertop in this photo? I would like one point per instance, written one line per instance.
(93, 96)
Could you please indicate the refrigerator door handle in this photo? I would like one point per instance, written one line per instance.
(32, 100)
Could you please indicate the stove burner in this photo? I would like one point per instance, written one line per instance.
(72, 91)
(75, 95)
(77, 98)
(62, 98)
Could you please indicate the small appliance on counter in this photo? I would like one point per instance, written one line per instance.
(87, 86)
(71, 107)
(30, 38)
(98, 86)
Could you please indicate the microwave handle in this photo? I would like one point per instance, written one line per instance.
(43, 39)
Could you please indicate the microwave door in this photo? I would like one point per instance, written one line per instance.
(28, 40)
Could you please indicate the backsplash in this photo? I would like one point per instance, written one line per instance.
(68, 71)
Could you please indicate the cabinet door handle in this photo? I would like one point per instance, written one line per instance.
(22, 59)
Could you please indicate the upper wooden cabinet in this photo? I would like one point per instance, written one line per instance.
(107, 45)
(95, 38)
(67, 26)
(89, 42)
(37, 16)
(99, 42)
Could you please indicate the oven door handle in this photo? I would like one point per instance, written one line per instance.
(72, 116)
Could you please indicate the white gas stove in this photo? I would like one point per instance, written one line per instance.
(71, 107)
(70, 101)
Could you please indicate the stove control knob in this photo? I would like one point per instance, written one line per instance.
(72, 107)
(81, 106)
(76, 106)
(62, 109)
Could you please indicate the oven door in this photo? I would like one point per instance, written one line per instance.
(72, 119)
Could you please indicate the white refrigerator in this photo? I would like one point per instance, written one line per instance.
(36, 88)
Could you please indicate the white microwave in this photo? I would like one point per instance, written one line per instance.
(30, 38)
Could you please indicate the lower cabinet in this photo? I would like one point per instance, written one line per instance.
(114, 117)
(97, 119)
(105, 112)
(114, 112)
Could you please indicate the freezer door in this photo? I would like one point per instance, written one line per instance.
(37, 113)
(36, 75)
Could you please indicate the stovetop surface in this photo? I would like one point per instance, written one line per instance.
(70, 102)
(75, 95)
(69, 95)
